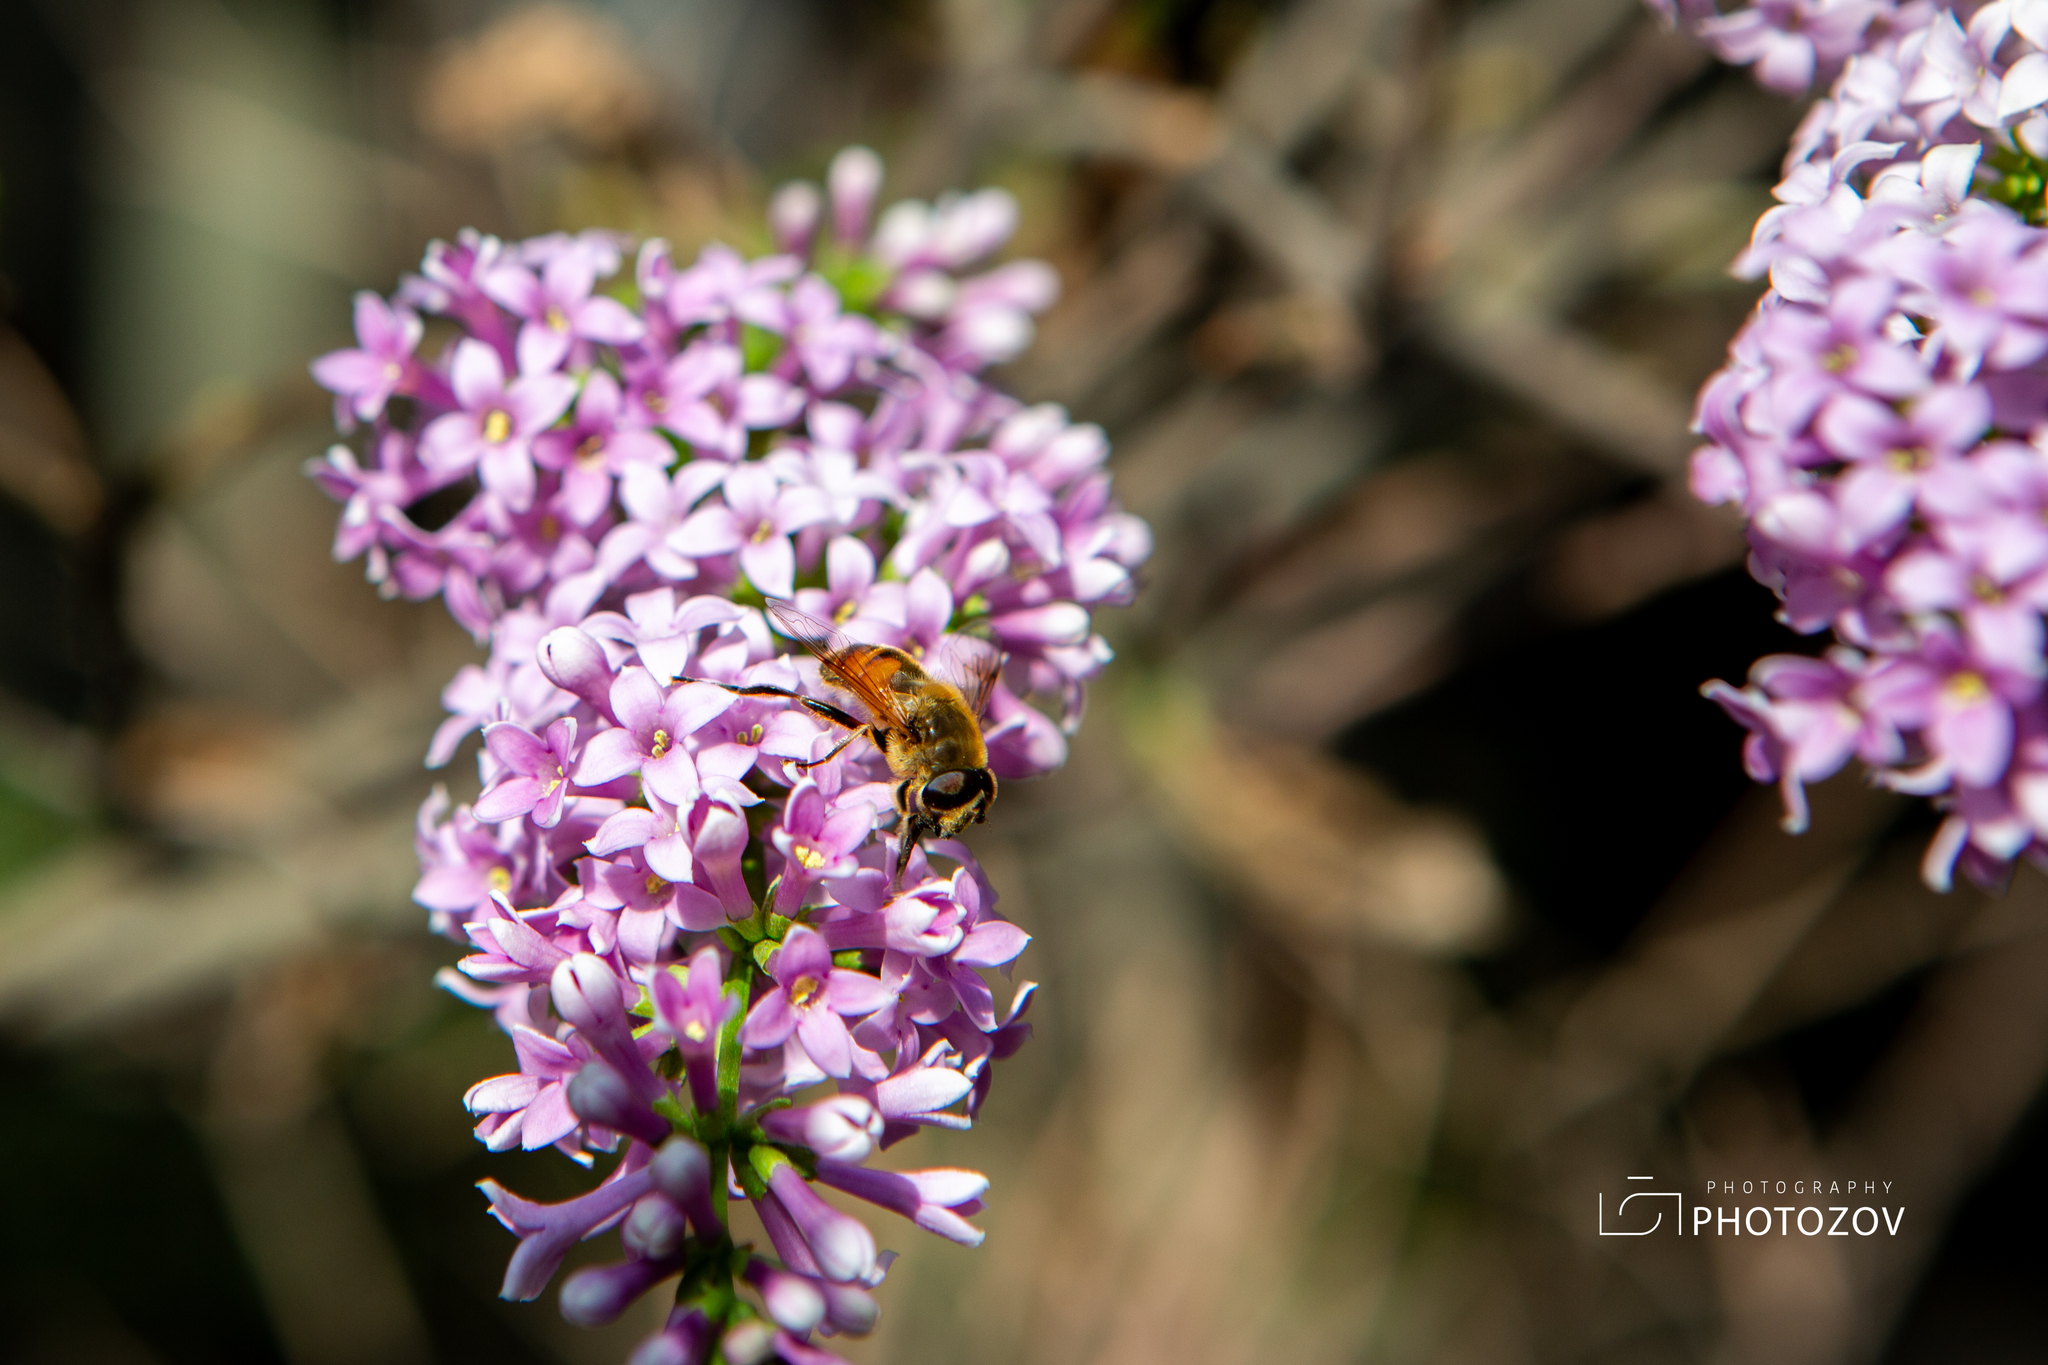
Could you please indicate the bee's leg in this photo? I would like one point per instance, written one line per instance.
(811, 704)
(800, 767)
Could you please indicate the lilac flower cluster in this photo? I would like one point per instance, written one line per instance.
(1883, 417)
(1791, 43)
(706, 961)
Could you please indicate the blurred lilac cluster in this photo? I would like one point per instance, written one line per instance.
(706, 962)
(1883, 417)
(1793, 43)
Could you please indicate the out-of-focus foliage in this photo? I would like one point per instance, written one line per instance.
(1439, 903)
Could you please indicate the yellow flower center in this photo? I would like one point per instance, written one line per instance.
(1984, 590)
(1839, 359)
(499, 879)
(1967, 687)
(1907, 460)
(763, 531)
(590, 454)
(810, 857)
(553, 783)
(558, 320)
(497, 425)
(655, 885)
(1982, 297)
(752, 736)
(660, 744)
(654, 402)
(844, 613)
(393, 371)
(803, 991)
(694, 1031)
(550, 528)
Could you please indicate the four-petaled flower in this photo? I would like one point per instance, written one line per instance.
(813, 998)
(493, 429)
(595, 449)
(559, 308)
(537, 769)
(649, 737)
(758, 514)
(364, 377)
(817, 840)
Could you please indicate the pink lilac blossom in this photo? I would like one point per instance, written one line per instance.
(910, 261)
(713, 973)
(1882, 421)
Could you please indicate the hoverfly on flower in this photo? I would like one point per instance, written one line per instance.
(927, 728)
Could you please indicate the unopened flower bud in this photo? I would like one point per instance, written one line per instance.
(850, 1309)
(655, 1229)
(844, 1248)
(1058, 623)
(973, 225)
(844, 1127)
(793, 216)
(683, 1341)
(663, 1349)
(598, 1294)
(747, 1343)
(854, 179)
(1032, 286)
(680, 1168)
(985, 563)
(994, 334)
(600, 1095)
(1074, 452)
(923, 294)
(792, 1300)
(903, 234)
(682, 1171)
(574, 662)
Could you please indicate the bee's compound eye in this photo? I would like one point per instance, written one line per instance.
(949, 790)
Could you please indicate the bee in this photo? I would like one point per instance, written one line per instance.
(928, 729)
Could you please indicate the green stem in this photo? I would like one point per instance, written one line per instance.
(721, 1156)
(737, 990)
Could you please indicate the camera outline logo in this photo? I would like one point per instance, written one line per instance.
(1633, 1195)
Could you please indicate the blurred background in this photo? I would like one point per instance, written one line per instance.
(1402, 896)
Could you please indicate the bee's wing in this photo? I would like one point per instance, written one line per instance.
(820, 637)
(863, 670)
(971, 664)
